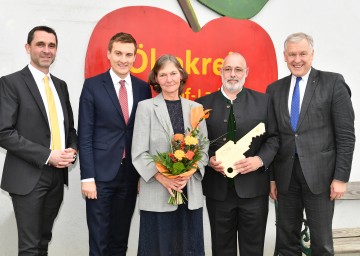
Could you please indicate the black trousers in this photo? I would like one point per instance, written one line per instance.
(109, 216)
(319, 211)
(238, 219)
(35, 212)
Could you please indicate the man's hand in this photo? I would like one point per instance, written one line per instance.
(248, 164)
(62, 158)
(73, 154)
(273, 190)
(337, 189)
(88, 189)
(216, 165)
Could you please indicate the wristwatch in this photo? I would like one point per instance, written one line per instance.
(75, 157)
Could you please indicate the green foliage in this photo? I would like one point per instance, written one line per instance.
(240, 9)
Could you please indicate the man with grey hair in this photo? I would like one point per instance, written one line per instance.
(238, 207)
(316, 126)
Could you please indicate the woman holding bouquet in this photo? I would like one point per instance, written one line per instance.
(168, 227)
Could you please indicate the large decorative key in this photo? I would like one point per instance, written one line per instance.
(231, 152)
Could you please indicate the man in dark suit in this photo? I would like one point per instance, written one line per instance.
(238, 207)
(316, 126)
(107, 109)
(37, 130)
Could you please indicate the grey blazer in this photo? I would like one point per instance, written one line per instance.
(324, 137)
(25, 132)
(151, 131)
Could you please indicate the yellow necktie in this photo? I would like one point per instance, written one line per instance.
(54, 122)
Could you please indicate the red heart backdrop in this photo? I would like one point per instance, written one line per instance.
(159, 32)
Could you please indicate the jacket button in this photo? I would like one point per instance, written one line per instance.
(224, 139)
(225, 120)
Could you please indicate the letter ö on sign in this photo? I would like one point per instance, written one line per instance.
(192, 65)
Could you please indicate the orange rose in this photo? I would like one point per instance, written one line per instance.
(178, 137)
(189, 154)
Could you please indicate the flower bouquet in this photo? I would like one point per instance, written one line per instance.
(185, 151)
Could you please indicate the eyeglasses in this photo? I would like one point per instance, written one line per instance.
(237, 70)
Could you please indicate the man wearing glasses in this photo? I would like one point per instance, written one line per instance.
(238, 206)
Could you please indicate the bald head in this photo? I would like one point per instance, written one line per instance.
(234, 73)
(235, 57)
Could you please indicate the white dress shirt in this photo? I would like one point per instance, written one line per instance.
(39, 80)
(116, 81)
(302, 88)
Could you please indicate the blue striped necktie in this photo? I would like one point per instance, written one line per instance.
(295, 105)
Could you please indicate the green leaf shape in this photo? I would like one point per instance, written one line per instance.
(240, 9)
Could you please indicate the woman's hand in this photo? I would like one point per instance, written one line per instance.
(172, 184)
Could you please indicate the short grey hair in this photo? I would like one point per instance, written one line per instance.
(297, 37)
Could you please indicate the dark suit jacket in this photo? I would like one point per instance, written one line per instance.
(250, 108)
(324, 137)
(103, 134)
(25, 131)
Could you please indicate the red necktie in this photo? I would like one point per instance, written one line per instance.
(124, 101)
(124, 104)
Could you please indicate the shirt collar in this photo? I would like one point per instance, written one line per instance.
(37, 74)
(223, 93)
(304, 78)
(116, 79)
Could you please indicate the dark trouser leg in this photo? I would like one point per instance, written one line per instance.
(319, 211)
(290, 212)
(244, 218)
(109, 217)
(252, 217)
(122, 212)
(223, 224)
(35, 212)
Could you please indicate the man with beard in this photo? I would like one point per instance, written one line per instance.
(238, 206)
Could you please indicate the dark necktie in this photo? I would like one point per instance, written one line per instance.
(231, 132)
(295, 105)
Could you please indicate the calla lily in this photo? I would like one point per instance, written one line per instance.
(197, 115)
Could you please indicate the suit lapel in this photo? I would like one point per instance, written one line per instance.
(136, 97)
(186, 108)
(110, 89)
(284, 99)
(309, 92)
(62, 101)
(34, 90)
(162, 113)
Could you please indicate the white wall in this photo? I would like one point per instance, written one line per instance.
(332, 23)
